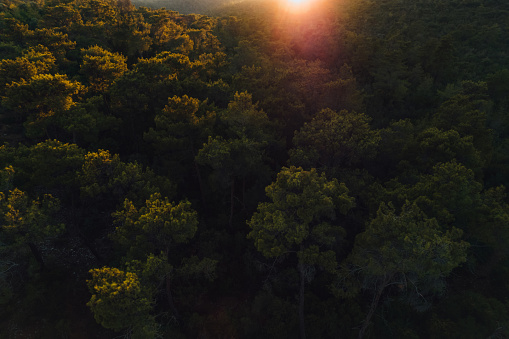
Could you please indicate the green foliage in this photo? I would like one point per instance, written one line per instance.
(129, 32)
(36, 60)
(156, 227)
(334, 140)
(48, 94)
(56, 42)
(120, 302)
(470, 315)
(298, 218)
(465, 112)
(151, 272)
(180, 130)
(101, 67)
(290, 91)
(42, 58)
(408, 243)
(61, 16)
(27, 221)
(52, 164)
(241, 154)
(139, 94)
(163, 30)
(40, 100)
(244, 119)
(450, 193)
(104, 177)
(208, 103)
(15, 70)
(88, 123)
(193, 267)
(6, 176)
(180, 125)
(232, 158)
(437, 146)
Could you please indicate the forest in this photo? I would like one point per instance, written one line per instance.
(336, 170)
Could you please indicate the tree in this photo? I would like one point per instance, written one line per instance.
(244, 118)
(299, 219)
(288, 89)
(407, 250)
(98, 16)
(491, 229)
(40, 99)
(107, 181)
(129, 33)
(27, 222)
(90, 123)
(182, 125)
(15, 70)
(42, 58)
(449, 193)
(180, 130)
(35, 60)
(57, 43)
(240, 154)
(97, 11)
(334, 140)
(51, 164)
(157, 227)
(119, 301)
(60, 16)
(437, 146)
(101, 67)
(14, 30)
(342, 93)
(139, 94)
(466, 113)
(406, 151)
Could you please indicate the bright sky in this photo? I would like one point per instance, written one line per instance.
(297, 5)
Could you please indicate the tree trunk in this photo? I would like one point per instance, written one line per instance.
(37, 254)
(200, 183)
(244, 194)
(168, 291)
(374, 305)
(302, 324)
(106, 101)
(232, 201)
(170, 298)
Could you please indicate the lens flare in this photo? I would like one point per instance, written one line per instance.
(297, 6)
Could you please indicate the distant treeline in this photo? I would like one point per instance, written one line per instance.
(185, 6)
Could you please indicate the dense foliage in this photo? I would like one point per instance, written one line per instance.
(337, 172)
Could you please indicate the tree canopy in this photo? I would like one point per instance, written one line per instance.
(249, 169)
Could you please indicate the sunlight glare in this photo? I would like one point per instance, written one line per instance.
(297, 5)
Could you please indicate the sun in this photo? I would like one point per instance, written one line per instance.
(297, 6)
